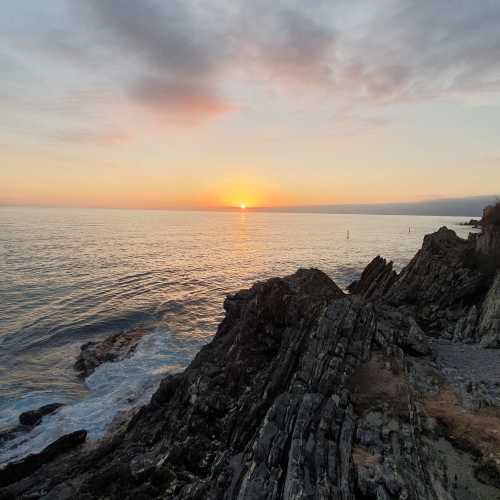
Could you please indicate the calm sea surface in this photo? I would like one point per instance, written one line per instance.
(71, 276)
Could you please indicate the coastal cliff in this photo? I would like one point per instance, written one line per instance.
(306, 392)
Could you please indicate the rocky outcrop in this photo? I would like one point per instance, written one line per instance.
(472, 222)
(27, 420)
(34, 417)
(375, 280)
(438, 286)
(466, 327)
(308, 393)
(16, 471)
(113, 348)
(489, 323)
(488, 242)
(439, 277)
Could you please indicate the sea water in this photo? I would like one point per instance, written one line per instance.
(69, 276)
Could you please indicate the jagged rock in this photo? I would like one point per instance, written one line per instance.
(465, 328)
(488, 242)
(16, 471)
(440, 278)
(489, 323)
(113, 348)
(376, 279)
(415, 342)
(34, 417)
(472, 222)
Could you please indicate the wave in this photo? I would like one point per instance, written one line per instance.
(113, 390)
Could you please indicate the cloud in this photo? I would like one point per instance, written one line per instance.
(168, 35)
(92, 137)
(182, 101)
(178, 59)
(289, 43)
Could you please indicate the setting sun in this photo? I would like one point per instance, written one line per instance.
(243, 206)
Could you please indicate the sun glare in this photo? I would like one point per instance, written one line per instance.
(243, 206)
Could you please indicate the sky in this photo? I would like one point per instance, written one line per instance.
(209, 103)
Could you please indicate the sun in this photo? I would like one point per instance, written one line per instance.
(243, 206)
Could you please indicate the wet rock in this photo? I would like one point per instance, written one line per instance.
(11, 432)
(34, 417)
(16, 471)
(113, 348)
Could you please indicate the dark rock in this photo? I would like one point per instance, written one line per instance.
(113, 348)
(440, 278)
(489, 322)
(16, 471)
(415, 342)
(34, 417)
(466, 327)
(11, 432)
(471, 222)
(375, 280)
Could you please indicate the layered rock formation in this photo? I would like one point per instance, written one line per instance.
(308, 393)
(489, 323)
(488, 241)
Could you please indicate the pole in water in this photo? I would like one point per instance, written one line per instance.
(348, 234)
(409, 229)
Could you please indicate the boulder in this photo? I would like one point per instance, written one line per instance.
(34, 417)
(113, 348)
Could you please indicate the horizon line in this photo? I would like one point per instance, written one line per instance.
(460, 207)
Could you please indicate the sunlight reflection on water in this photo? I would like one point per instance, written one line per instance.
(70, 276)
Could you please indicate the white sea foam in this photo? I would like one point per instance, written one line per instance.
(115, 388)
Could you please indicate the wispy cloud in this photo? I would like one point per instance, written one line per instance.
(177, 58)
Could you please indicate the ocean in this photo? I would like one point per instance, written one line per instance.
(70, 276)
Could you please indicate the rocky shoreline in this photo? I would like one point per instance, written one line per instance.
(305, 392)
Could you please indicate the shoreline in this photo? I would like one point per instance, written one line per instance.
(281, 367)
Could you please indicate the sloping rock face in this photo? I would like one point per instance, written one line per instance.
(442, 287)
(375, 280)
(437, 287)
(488, 242)
(439, 277)
(489, 323)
